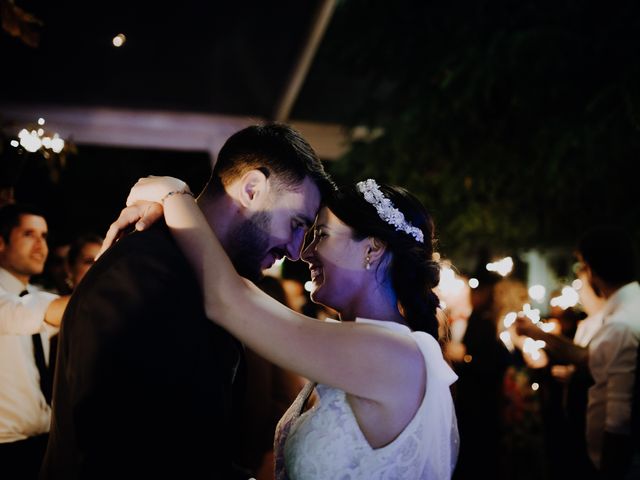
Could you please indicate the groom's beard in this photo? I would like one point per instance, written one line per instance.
(251, 245)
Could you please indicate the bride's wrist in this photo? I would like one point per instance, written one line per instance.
(170, 194)
(173, 186)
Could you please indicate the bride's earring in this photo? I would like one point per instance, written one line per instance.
(367, 262)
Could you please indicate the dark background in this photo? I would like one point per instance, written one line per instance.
(517, 123)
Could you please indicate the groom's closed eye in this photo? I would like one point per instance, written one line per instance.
(297, 223)
(303, 222)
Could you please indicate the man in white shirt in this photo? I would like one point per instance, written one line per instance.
(572, 370)
(609, 258)
(24, 311)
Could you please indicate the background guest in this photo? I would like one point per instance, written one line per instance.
(27, 319)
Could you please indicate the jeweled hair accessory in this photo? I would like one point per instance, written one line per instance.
(386, 210)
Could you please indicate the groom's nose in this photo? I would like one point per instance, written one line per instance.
(295, 245)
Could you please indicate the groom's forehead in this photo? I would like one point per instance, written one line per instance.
(305, 192)
(313, 200)
(296, 206)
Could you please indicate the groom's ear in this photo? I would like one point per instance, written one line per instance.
(254, 188)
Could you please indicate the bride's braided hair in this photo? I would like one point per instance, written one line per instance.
(412, 271)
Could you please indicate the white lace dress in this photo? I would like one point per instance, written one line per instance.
(327, 443)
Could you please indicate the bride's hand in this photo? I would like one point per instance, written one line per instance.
(144, 206)
(142, 213)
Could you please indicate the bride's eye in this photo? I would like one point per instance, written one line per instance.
(318, 234)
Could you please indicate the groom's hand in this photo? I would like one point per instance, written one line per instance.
(141, 213)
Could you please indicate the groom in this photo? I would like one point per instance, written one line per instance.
(144, 379)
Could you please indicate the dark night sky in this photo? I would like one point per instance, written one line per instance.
(541, 88)
(213, 56)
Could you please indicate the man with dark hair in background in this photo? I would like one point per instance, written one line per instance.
(609, 258)
(28, 317)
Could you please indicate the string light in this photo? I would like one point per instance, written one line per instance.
(450, 284)
(532, 347)
(33, 140)
(505, 336)
(537, 292)
(532, 314)
(509, 319)
(568, 298)
(503, 267)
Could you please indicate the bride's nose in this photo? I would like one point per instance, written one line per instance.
(308, 252)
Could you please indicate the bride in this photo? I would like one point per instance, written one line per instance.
(385, 409)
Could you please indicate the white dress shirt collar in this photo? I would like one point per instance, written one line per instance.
(620, 297)
(10, 283)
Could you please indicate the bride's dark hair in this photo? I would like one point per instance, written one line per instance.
(412, 271)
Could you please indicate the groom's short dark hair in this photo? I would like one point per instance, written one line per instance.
(274, 148)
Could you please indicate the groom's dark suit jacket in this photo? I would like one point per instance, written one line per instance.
(143, 380)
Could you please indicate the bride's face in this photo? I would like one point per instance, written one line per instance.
(336, 261)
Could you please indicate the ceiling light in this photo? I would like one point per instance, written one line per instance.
(119, 40)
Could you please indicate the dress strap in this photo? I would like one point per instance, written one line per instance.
(305, 395)
(284, 425)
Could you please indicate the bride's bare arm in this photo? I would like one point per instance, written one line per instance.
(363, 360)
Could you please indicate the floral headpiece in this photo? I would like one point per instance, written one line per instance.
(386, 210)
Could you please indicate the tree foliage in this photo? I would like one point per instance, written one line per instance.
(517, 123)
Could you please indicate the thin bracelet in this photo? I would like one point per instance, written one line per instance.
(176, 192)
